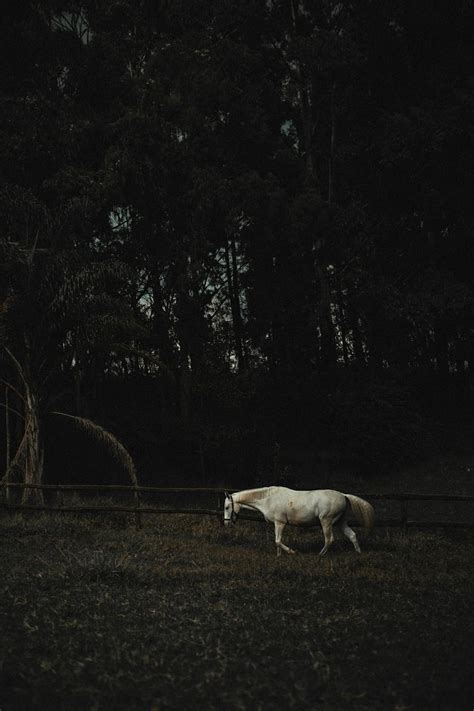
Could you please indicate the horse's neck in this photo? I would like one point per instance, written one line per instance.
(252, 497)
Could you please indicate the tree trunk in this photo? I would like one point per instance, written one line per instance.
(328, 345)
(232, 274)
(342, 324)
(441, 349)
(305, 109)
(161, 326)
(332, 149)
(307, 142)
(34, 456)
(7, 439)
(184, 391)
(77, 390)
(7, 429)
(356, 334)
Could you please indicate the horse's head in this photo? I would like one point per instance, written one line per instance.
(231, 509)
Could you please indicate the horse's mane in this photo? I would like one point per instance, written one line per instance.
(253, 494)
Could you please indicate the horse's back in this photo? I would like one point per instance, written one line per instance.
(326, 495)
(305, 507)
(327, 502)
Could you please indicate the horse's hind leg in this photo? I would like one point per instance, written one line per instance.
(279, 527)
(350, 534)
(326, 525)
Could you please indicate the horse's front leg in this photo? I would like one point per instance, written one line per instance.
(279, 527)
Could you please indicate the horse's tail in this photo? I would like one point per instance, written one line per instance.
(363, 511)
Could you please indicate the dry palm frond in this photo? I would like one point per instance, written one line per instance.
(19, 368)
(11, 387)
(110, 442)
(6, 406)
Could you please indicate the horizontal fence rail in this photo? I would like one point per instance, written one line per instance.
(218, 490)
(140, 508)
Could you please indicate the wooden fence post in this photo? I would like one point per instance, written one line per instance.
(404, 514)
(138, 515)
(7, 436)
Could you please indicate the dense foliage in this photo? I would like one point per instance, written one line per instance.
(238, 234)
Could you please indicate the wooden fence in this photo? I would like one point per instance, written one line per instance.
(140, 507)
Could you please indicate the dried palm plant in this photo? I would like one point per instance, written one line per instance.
(107, 440)
(61, 312)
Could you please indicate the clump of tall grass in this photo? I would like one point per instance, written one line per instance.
(55, 525)
(87, 565)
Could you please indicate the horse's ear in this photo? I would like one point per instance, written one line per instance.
(226, 494)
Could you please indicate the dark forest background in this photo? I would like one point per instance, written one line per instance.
(237, 235)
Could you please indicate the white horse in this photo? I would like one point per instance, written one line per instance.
(302, 508)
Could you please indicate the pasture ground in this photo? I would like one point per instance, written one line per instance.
(185, 614)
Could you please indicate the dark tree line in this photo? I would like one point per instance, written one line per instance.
(236, 234)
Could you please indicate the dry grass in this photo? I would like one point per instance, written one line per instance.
(186, 614)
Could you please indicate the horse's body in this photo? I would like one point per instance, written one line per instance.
(281, 506)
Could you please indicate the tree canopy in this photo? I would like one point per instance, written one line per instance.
(239, 234)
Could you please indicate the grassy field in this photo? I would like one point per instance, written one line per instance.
(188, 615)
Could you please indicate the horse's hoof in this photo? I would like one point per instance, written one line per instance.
(292, 551)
